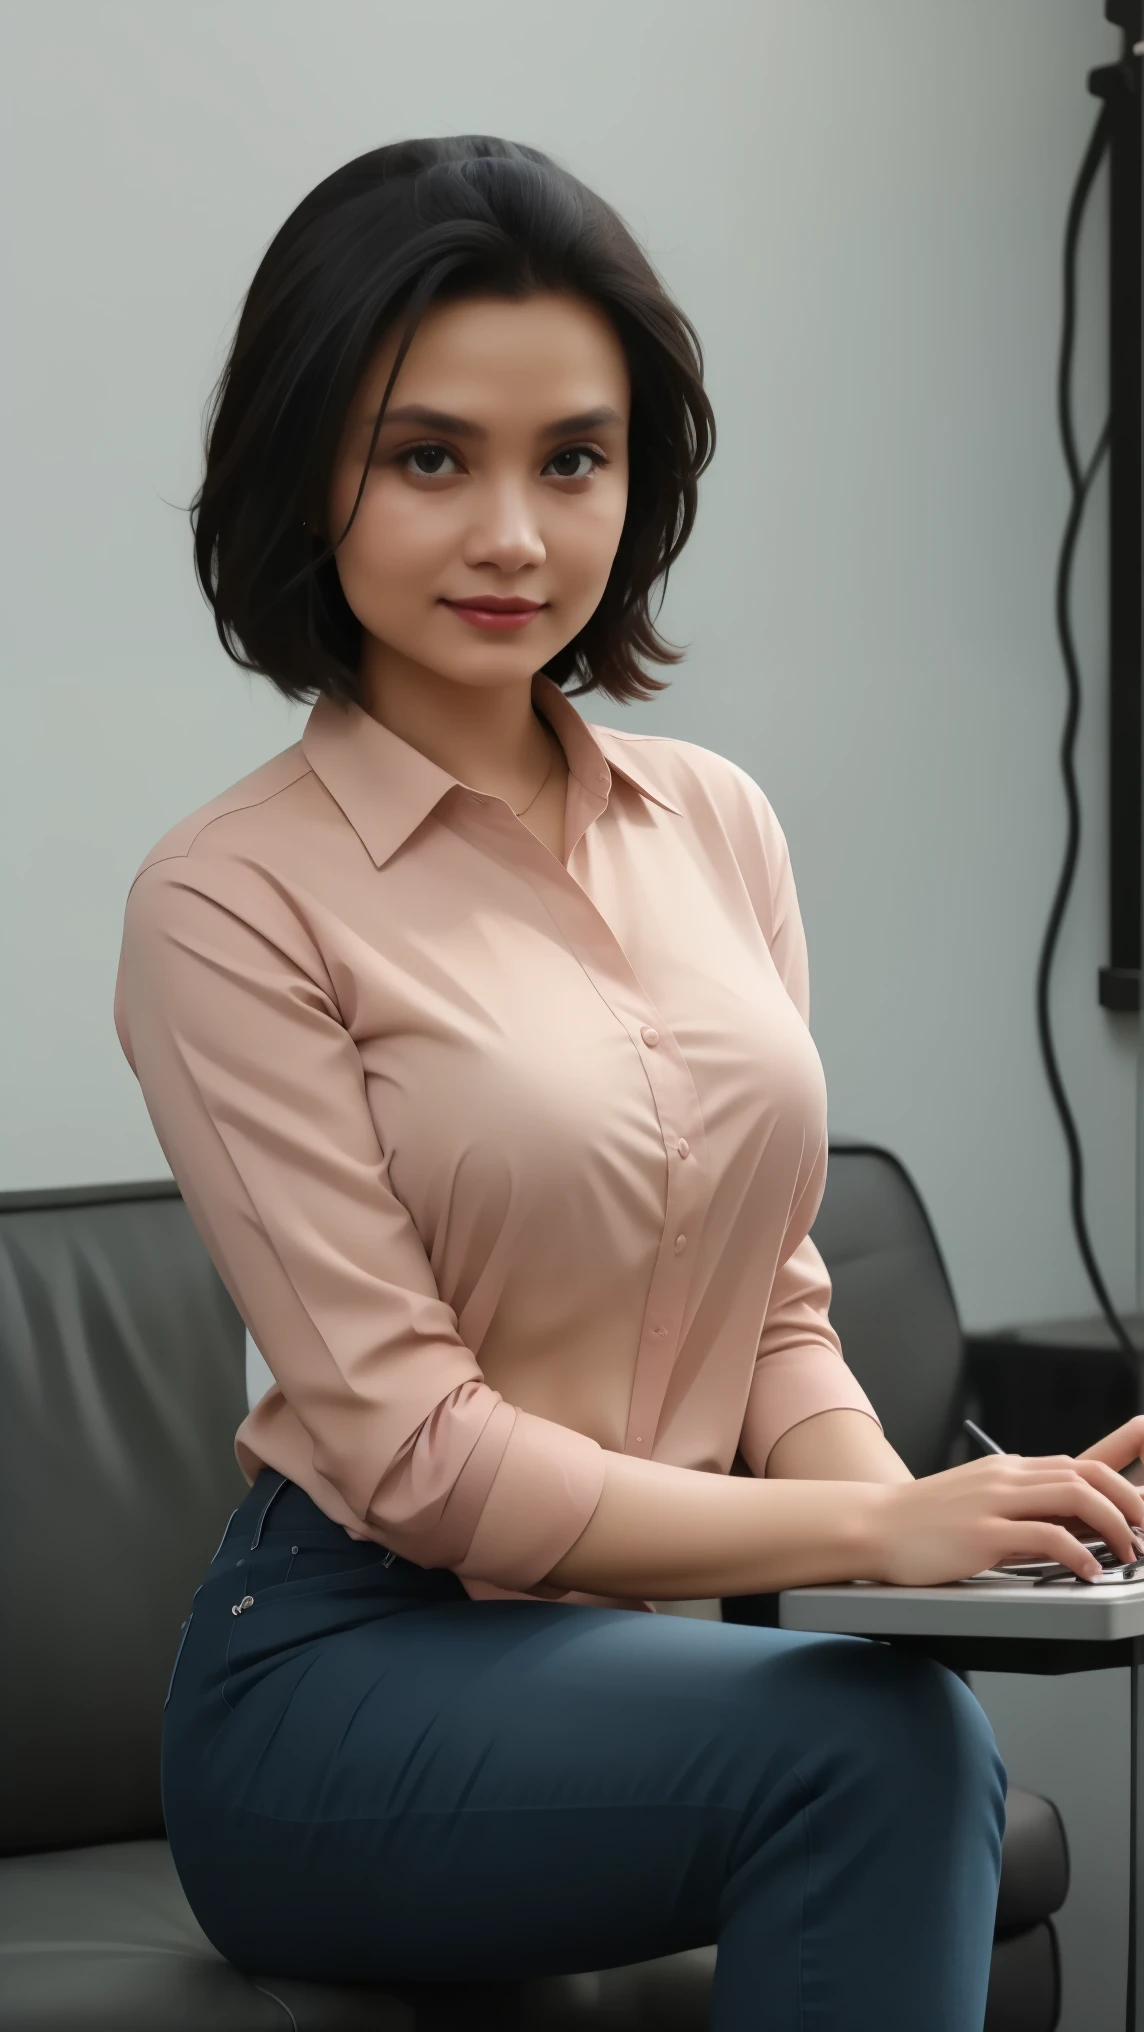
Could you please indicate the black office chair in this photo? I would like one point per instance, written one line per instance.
(122, 1380)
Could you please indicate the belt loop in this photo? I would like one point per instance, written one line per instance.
(277, 1491)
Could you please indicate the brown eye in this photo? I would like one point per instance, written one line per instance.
(427, 459)
(576, 453)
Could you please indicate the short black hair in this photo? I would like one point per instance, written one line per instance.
(382, 238)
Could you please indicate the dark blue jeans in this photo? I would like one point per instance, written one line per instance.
(369, 1777)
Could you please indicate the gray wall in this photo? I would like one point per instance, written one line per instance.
(862, 207)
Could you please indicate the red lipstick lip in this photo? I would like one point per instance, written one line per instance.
(492, 605)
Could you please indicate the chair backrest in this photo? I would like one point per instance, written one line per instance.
(892, 1306)
(122, 1383)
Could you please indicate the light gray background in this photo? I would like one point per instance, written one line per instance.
(862, 208)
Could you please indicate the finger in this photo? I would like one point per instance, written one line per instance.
(1052, 1541)
(1030, 1461)
(1113, 1485)
(1041, 1472)
(1029, 1467)
(1120, 1448)
(1075, 1497)
(1089, 1537)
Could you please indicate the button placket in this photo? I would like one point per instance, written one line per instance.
(674, 1096)
(676, 1103)
(656, 1357)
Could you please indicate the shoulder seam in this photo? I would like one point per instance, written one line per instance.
(251, 804)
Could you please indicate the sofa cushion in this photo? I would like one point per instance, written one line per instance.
(103, 1940)
(122, 1384)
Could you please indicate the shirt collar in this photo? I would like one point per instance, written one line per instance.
(386, 787)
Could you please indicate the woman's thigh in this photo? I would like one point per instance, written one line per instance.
(361, 1783)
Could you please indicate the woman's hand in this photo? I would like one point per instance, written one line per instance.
(1120, 1449)
(1008, 1506)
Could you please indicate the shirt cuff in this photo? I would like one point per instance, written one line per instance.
(547, 1485)
(792, 1384)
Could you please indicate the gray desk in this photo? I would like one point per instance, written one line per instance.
(989, 1627)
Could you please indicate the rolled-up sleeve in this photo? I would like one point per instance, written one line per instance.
(799, 1368)
(257, 1094)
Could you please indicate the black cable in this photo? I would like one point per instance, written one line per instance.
(1080, 482)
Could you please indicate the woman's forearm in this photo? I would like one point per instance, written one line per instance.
(836, 1446)
(677, 1534)
(680, 1534)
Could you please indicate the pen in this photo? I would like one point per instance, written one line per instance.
(991, 1446)
(982, 1438)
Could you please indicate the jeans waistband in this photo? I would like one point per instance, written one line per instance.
(275, 1503)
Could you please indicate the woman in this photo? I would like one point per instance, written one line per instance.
(475, 1035)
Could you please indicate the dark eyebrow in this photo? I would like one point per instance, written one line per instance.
(457, 426)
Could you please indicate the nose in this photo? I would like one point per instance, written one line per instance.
(504, 530)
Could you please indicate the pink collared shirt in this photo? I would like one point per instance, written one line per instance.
(507, 1162)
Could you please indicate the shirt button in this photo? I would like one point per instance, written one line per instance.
(684, 1146)
(680, 1244)
(655, 1330)
(649, 1035)
(602, 777)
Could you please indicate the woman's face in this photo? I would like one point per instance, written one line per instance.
(500, 472)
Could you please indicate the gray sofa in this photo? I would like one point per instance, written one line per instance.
(122, 1380)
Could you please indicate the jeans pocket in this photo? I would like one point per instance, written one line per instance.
(326, 1592)
(306, 1564)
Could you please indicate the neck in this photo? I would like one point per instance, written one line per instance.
(489, 736)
